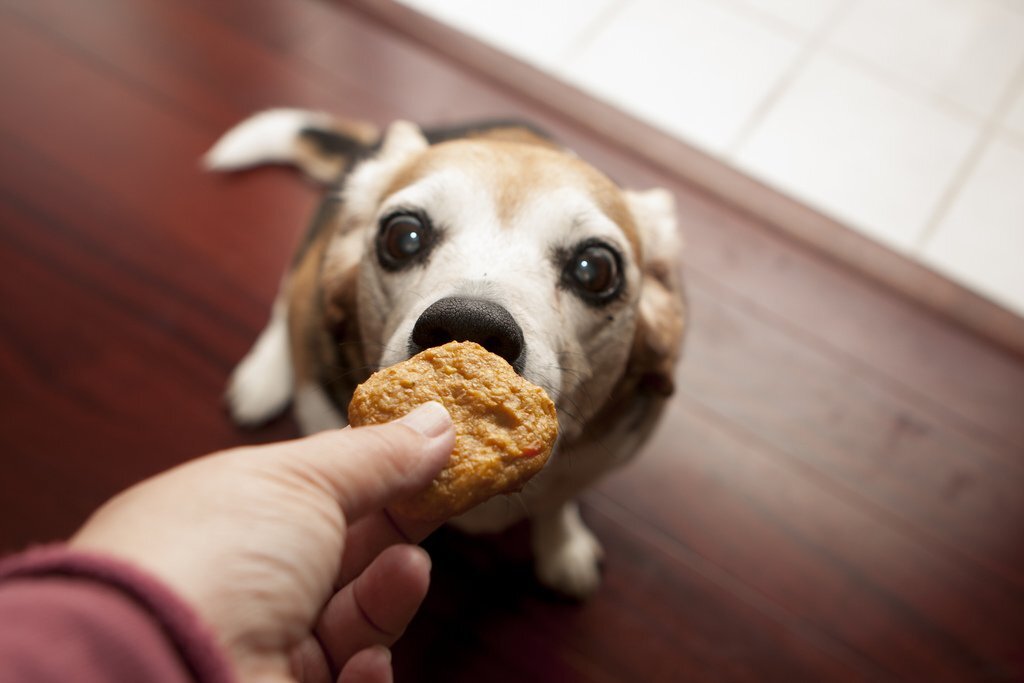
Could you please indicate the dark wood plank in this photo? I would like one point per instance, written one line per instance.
(912, 352)
(698, 630)
(837, 492)
(938, 482)
(782, 531)
(198, 67)
(146, 159)
(114, 316)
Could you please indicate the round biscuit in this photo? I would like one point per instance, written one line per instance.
(505, 426)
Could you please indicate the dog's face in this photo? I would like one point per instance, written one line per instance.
(516, 245)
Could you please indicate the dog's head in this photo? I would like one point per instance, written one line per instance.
(509, 241)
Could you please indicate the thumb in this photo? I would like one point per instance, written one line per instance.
(367, 468)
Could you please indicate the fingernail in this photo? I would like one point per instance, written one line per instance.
(430, 419)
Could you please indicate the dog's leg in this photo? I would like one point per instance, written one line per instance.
(314, 411)
(566, 554)
(262, 384)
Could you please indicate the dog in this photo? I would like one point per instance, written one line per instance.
(488, 232)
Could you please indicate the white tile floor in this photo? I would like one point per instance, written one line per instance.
(904, 119)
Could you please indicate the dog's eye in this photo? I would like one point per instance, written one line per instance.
(594, 272)
(401, 239)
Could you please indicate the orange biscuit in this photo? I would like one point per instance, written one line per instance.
(505, 427)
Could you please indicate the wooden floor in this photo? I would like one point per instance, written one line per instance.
(838, 491)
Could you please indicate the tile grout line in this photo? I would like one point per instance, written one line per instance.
(810, 49)
(910, 87)
(770, 21)
(587, 36)
(892, 79)
(896, 82)
(905, 86)
(990, 130)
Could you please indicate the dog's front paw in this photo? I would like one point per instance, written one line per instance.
(574, 569)
(252, 398)
(568, 556)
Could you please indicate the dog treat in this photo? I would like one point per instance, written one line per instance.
(505, 427)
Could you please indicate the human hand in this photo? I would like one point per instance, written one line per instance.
(287, 550)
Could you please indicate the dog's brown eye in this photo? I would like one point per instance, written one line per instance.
(594, 272)
(402, 238)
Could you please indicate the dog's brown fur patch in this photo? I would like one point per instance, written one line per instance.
(304, 320)
(321, 303)
(517, 170)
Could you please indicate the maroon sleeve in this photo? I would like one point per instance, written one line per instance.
(71, 616)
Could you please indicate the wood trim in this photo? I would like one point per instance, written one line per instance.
(769, 206)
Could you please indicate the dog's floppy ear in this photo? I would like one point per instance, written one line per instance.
(365, 187)
(402, 140)
(361, 194)
(661, 318)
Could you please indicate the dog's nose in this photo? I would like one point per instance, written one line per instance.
(461, 319)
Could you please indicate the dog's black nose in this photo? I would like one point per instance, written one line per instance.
(460, 319)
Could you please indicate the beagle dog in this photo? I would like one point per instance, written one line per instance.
(491, 233)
